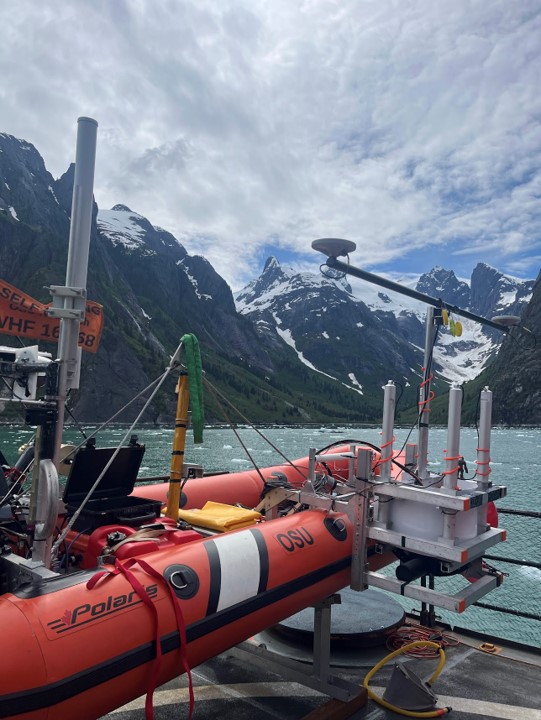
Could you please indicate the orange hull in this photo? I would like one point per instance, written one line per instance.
(73, 652)
(244, 487)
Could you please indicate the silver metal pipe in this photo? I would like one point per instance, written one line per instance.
(312, 466)
(453, 438)
(332, 262)
(387, 437)
(483, 451)
(483, 454)
(451, 460)
(81, 208)
(69, 354)
(424, 397)
(389, 396)
(410, 458)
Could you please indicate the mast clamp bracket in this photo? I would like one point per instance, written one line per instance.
(68, 302)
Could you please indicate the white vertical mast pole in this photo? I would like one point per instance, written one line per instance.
(387, 437)
(69, 301)
(483, 454)
(453, 439)
(387, 434)
(483, 451)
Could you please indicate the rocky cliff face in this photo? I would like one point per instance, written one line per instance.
(28, 190)
(493, 293)
(176, 292)
(444, 284)
(329, 330)
(152, 289)
(514, 375)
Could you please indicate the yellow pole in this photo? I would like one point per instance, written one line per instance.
(179, 443)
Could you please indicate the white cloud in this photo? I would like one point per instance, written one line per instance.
(407, 127)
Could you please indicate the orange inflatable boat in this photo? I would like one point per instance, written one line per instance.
(88, 641)
(246, 487)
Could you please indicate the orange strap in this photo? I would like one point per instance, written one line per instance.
(389, 457)
(124, 569)
(452, 470)
(431, 394)
(484, 462)
(483, 474)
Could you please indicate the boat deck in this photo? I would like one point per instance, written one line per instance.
(477, 685)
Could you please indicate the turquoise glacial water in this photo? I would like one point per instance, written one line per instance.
(516, 463)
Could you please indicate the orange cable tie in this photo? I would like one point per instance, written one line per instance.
(450, 472)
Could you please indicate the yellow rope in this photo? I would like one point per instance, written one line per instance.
(408, 713)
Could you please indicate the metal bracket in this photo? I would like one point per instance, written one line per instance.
(316, 676)
(456, 603)
(437, 497)
(77, 298)
(17, 570)
(324, 502)
(360, 519)
(465, 552)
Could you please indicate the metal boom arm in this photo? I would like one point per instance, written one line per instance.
(415, 294)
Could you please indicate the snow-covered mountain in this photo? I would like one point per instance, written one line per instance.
(488, 293)
(296, 347)
(329, 330)
(309, 312)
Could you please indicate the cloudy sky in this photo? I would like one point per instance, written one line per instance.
(251, 127)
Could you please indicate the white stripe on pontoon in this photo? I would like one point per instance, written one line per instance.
(240, 564)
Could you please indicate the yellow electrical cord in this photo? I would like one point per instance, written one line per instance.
(394, 708)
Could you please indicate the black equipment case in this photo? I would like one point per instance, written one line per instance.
(110, 503)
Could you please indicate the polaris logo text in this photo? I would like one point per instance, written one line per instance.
(88, 612)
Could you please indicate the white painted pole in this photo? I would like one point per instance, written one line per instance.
(483, 454)
(389, 397)
(74, 293)
(451, 459)
(424, 397)
(483, 451)
(387, 435)
(453, 438)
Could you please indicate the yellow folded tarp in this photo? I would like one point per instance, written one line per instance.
(221, 517)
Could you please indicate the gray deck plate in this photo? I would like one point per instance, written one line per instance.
(481, 687)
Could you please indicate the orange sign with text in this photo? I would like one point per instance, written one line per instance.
(23, 316)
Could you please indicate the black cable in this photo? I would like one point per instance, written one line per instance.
(401, 387)
(232, 426)
(404, 468)
(508, 611)
(335, 275)
(220, 395)
(77, 425)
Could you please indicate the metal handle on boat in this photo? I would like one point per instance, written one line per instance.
(174, 583)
